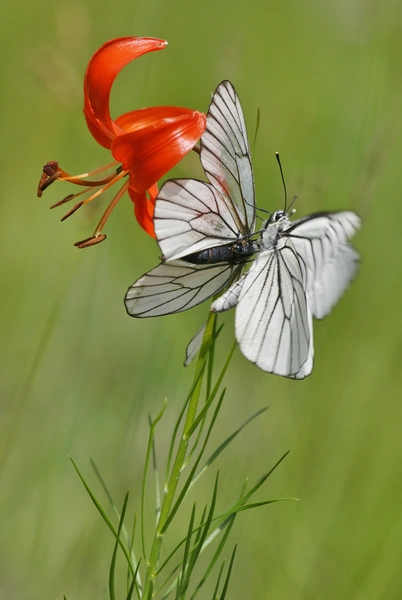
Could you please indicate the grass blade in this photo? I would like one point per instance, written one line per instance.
(134, 583)
(114, 555)
(212, 396)
(187, 483)
(218, 581)
(182, 578)
(199, 375)
(204, 531)
(103, 514)
(129, 541)
(226, 442)
(226, 584)
(152, 425)
(215, 557)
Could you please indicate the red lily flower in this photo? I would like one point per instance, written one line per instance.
(144, 143)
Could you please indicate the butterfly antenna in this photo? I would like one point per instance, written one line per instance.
(291, 204)
(278, 158)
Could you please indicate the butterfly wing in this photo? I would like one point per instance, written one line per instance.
(225, 153)
(174, 287)
(273, 317)
(190, 215)
(330, 262)
(301, 276)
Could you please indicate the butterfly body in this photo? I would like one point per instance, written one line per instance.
(234, 254)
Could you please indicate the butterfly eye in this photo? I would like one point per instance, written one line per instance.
(276, 216)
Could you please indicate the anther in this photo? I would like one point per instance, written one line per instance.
(60, 202)
(90, 241)
(51, 172)
(72, 211)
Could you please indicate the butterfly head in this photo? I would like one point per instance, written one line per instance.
(276, 217)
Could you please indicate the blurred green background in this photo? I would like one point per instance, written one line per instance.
(78, 376)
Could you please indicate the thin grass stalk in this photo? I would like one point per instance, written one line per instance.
(226, 584)
(104, 516)
(198, 376)
(189, 479)
(179, 461)
(145, 474)
(114, 556)
(129, 541)
(214, 559)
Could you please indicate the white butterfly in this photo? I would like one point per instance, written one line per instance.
(301, 271)
(206, 234)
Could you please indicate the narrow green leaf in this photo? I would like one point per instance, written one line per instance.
(173, 473)
(102, 513)
(113, 562)
(225, 522)
(199, 375)
(180, 589)
(208, 391)
(204, 532)
(207, 340)
(129, 541)
(225, 443)
(226, 584)
(156, 481)
(136, 578)
(212, 395)
(179, 545)
(218, 581)
(237, 509)
(211, 356)
(214, 559)
(152, 425)
(177, 594)
(172, 586)
(103, 484)
(134, 583)
(187, 483)
(263, 479)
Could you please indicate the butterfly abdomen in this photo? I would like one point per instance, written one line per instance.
(235, 253)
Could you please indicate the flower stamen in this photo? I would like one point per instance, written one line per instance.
(52, 172)
(97, 236)
(72, 211)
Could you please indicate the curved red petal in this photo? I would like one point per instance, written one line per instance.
(101, 134)
(100, 75)
(151, 151)
(150, 117)
(144, 208)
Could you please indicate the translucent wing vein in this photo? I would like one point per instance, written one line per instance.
(174, 287)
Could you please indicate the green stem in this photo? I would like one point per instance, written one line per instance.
(179, 461)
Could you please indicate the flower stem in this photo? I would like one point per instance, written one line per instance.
(179, 461)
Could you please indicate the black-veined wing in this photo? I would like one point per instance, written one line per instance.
(273, 318)
(177, 286)
(225, 152)
(192, 216)
(302, 271)
(321, 241)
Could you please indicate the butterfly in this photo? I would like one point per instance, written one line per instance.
(206, 232)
